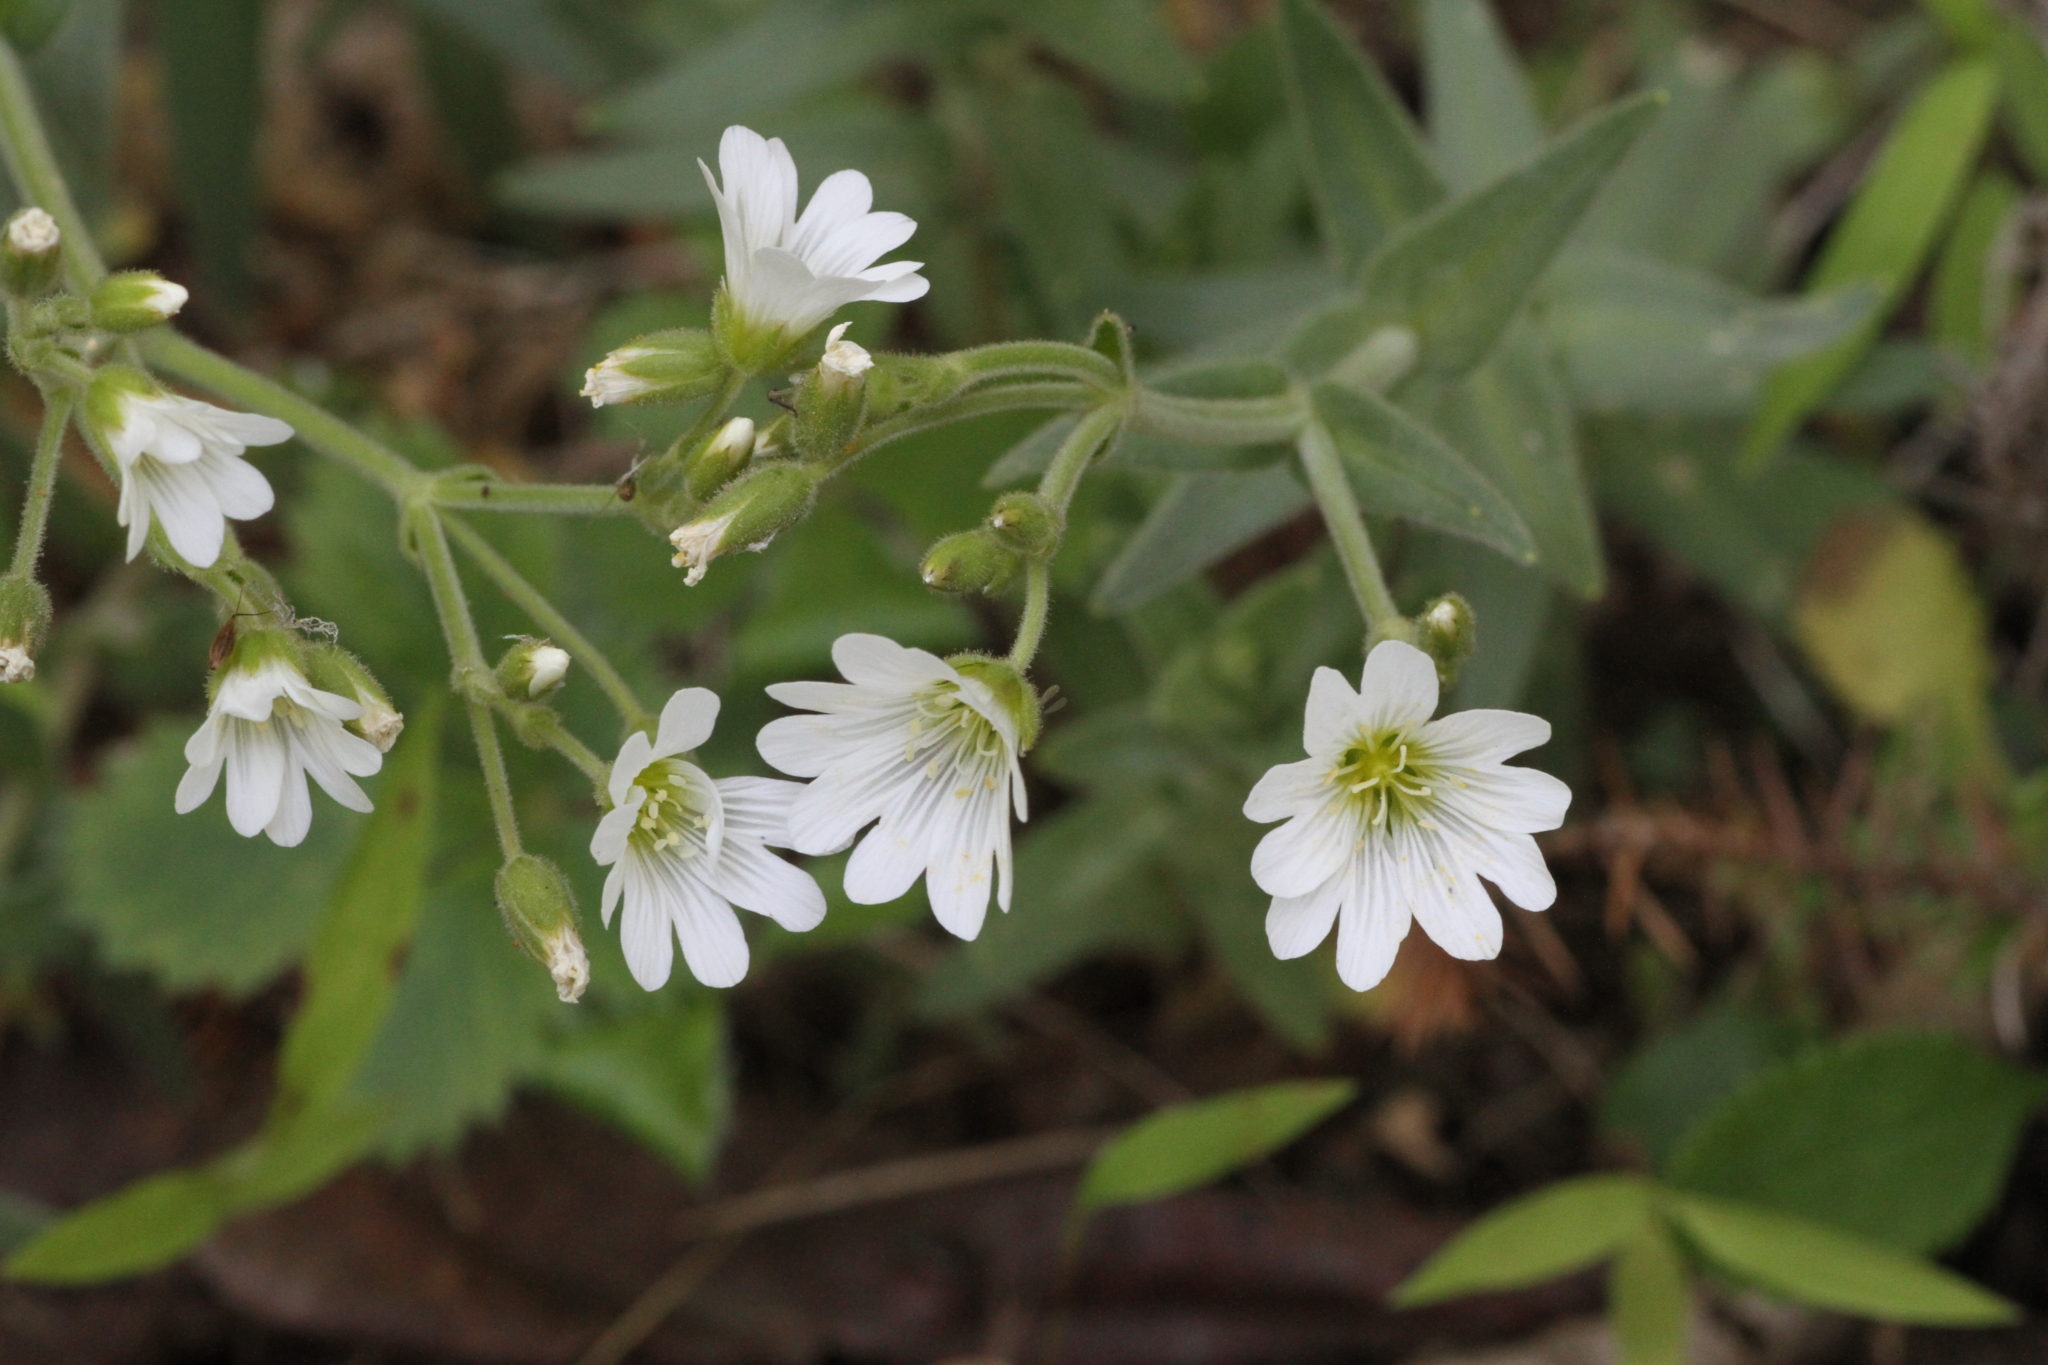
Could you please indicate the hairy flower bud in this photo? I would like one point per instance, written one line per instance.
(532, 669)
(136, 300)
(661, 367)
(24, 621)
(720, 459)
(1027, 524)
(969, 561)
(831, 399)
(29, 255)
(333, 669)
(539, 911)
(1447, 630)
(746, 516)
(900, 382)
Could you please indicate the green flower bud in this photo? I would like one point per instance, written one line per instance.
(661, 367)
(539, 911)
(1447, 630)
(970, 561)
(749, 346)
(29, 253)
(331, 668)
(831, 400)
(24, 622)
(1027, 524)
(1379, 362)
(1012, 689)
(750, 512)
(533, 669)
(135, 300)
(720, 459)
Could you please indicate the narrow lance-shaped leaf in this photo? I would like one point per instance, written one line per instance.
(1538, 1237)
(1401, 468)
(1482, 119)
(1815, 1264)
(1366, 165)
(1884, 237)
(1460, 274)
(1185, 1146)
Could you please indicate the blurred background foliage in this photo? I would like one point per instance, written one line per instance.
(1767, 448)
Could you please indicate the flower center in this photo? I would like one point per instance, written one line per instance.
(671, 811)
(945, 724)
(1388, 776)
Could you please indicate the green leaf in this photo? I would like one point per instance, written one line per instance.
(1482, 119)
(1511, 418)
(660, 1075)
(297, 1154)
(1400, 468)
(1974, 284)
(529, 32)
(1649, 1300)
(1904, 1138)
(140, 1227)
(1128, 43)
(1459, 274)
(184, 897)
(1636, 334)
(1366, 165)
(1186, 1146)
(1540, 1236)
(1884, 236)
(352, 969)
(1200, 519)
(213, 92)
(1815, 1264)
(1674, 1080)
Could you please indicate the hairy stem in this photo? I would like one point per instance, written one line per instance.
(1346, 523)
(42, 484)
(472, 674)
(551, 499)
(1095, 434)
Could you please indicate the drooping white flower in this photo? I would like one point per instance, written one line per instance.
(923, 749)
(271, 730)
(684, 850)
(180, 462)
(1394, 817)
(786, 273)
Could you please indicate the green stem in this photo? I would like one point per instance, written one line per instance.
(472, 674)
(1097, 431)
(316, 426)
(558, 499)
(1218, 421)
(1341, 514)
(1037, 608)
(1057, 358)
(558, 627)
(540, 727)
(961, 407)
(34, 168)
(42, 484)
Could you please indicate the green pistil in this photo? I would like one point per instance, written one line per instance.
(940, 711)
(1389, 776)
(669, 812)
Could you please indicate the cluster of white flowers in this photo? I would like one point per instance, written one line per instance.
(913, 760)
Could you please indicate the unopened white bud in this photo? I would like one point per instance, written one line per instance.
(569, 965)
(33, 232)
(16, 664)
(135, 300)
(381, 723)
(549, 665)
(844, 362)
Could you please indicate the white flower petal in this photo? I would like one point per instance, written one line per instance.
(1296, 925)
(1305, 852)
(1449, 903)
(752, 878)
(647, 926)
(1332, 716)
(1398, 689)
(1471, 738)
(687, 721)
(1370, 926)
(886, 864)
(1288, 787)
(958, 884)
(875, 661)
(714, 947)
(758, 808)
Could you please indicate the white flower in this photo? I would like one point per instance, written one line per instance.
(181, 464)
(271, 729)
(684, 850)
(697, 544)
(1393, 816)
(788, 273)
(922, 749)
(16, 664)
(33, 232)
(611, 380)
(844, 362)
